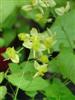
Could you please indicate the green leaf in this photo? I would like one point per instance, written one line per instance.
(58, 91)
(18, 79)
(14, 67)
(66, 61)
(31, 93)
(2, 42)
(3, 92)
(22, 77)
(10, 20)
(9, 35)
(64, 64)
(21, 2)
(25, 66)
(22, 81)
(65, 30)
(1, 76)
(60, 2)
(6, 7)
(37, 84)
(53, 66)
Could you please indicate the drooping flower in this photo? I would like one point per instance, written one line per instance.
(62, 10)
(49, 42)
(34, 2)
(12, 54)
(67, 8)
(27, 7)
(23, 36)
(41, 69)
(38, 43)
(35, 39)
(32, 40)
(47, 3)
(27, 44)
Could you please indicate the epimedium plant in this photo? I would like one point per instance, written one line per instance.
(40, 48)
(39, 71)
(37, 43)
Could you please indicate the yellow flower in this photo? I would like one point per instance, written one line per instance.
(67, 8)
(34, 32)
(39, 16)
(62, 10)
(36, 46)
(27, 44)
(36, 41)
(44, 58)
(23, 36)
(42, 69)
(49, 42)
(27, 7)
(47, 3)
(12, 54)
(34, 2)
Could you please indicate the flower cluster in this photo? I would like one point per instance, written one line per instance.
(41, 5)
(38, 43)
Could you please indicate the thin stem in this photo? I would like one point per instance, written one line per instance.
(48, 51)
(34, 55)
(10, 85)
(18, 87)
(20, 50)
(67, 82)
(16, 93)
(12, 89)
(10, 94)
(6, 59)
(6, 73)
(49, 32)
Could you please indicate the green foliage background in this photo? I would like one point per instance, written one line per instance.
(64, 63)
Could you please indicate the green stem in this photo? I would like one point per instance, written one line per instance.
(15, 97)
(48, 51)
(6, 73)
(20, 50)
(34, 54)
(12, 90)
(16, 93)
(10, 94)
(67, 82)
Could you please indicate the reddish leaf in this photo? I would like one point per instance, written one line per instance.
(3, 64)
